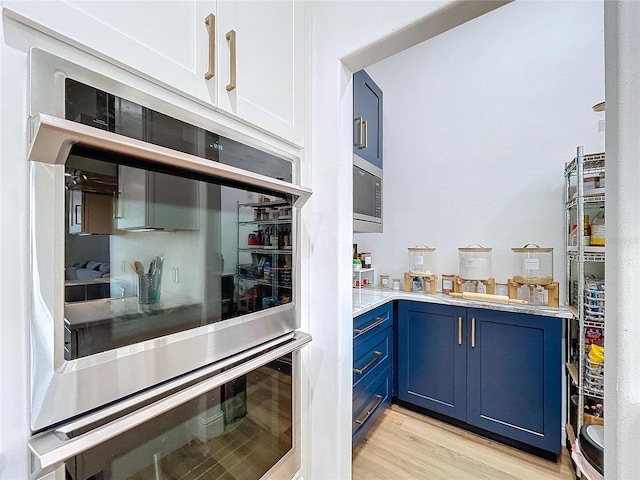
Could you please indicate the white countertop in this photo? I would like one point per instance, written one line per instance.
(127, 308)
(365, 299)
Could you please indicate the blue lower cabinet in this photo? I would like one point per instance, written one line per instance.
(514, 375)
(370, 358)
(432, 369)
(372, 367)
(369, 405)
(498, 371)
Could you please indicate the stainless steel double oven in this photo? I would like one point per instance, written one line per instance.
(166, 278)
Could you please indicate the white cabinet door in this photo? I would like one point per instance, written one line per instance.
(168, 42)
(269, 61)
(160, 40)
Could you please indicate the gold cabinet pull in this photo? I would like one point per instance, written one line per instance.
(366, 133)
(360, 121)
(459, 330)
(231, 38)
(363, 419)
(473, 332)
(360, 371)
(210, 21)
(374, 324)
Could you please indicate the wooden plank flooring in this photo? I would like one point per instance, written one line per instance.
(406, 445)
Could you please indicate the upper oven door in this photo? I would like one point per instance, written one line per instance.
(150, 260)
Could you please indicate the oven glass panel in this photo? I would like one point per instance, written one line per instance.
(149, 253)
(90, 106)
(237, 431)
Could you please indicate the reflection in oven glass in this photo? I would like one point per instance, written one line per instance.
(237, 431)
(150, 253)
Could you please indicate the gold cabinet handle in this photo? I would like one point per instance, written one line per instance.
(366, 133)
(231, 38)
(360, 121)
(363, 419)
(459, 330)
(360, 371)
(473, 332)
(210, 21)
(373, 324)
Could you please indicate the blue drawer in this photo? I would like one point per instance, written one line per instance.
(369, 324)
(370, 405)
(370, 358)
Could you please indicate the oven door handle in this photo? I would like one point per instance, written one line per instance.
(52, 448)
(52, 138)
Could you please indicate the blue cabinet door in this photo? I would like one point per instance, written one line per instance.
(431, 357)
(514, 368)
(367, 123)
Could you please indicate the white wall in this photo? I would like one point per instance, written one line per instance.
(339, 28)
(478, 123)
(622, 380)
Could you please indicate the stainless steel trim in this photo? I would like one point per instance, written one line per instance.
(376, 357)
(367, 166)
(52, 448)
(367, 223)
(360, 331)
(53, 138)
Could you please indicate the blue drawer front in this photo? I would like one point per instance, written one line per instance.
(370, 405)
(370, 358)
(369, 324)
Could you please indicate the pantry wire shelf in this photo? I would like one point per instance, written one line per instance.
(594, 324)
(593, 163)
(587, 200)
(587, 257)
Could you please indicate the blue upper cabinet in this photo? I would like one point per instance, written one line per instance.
(367, 122)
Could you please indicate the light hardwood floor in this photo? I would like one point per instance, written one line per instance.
(406, 445)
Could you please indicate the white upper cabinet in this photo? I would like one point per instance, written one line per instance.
(269, 63)
(254, 49)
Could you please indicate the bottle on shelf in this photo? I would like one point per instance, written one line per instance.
(597, 229)
(587, 231)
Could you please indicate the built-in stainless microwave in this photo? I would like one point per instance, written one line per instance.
(367, 196)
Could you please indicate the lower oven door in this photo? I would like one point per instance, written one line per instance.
(237, 419)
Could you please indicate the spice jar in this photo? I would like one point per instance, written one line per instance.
(447, 283)
(384, 281)
(396, 284)
(365, 258)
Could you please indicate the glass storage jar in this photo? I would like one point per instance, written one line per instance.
(533, 265)
(474, 263)
(422, 260)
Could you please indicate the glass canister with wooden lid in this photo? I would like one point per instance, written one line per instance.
(474, 263)
(533, 265)
(422, 260)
